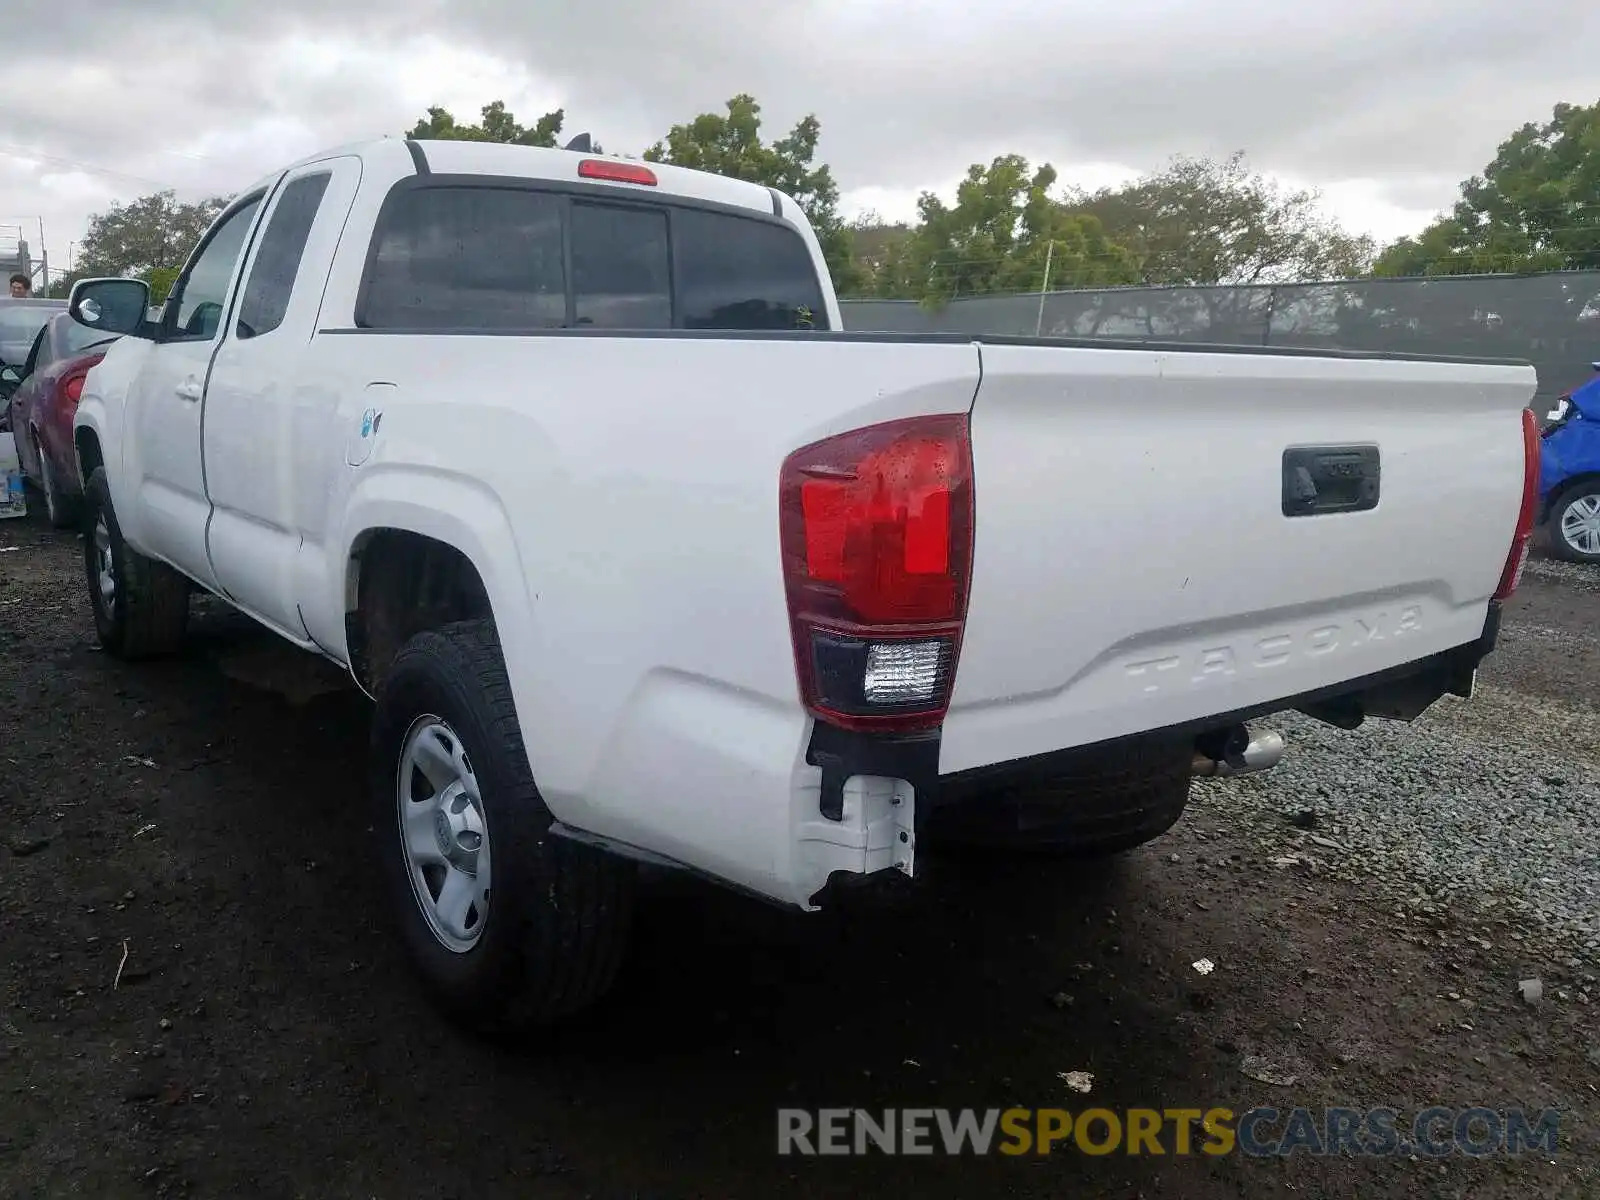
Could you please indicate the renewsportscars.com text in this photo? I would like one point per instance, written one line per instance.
(1257, 1132)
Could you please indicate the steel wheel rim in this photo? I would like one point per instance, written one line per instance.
(1580, 524)
(444, 835)
(105, 564)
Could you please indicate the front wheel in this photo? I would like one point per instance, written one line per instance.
(141, 606)
(508, 926)
(1575, 525)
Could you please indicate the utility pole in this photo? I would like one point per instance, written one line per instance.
(1049, 256)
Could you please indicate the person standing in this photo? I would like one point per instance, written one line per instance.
(21, 286)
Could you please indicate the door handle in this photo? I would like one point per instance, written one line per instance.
(189, 389)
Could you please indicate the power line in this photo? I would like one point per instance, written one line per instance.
(22, 152)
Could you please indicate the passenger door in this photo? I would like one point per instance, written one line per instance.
(271, 435)
(166, 400)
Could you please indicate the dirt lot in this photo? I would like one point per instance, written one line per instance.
(202, 818)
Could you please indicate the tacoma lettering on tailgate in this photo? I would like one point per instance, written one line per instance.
(1194, 667)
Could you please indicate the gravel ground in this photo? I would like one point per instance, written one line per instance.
(1479, 820)
(199, 995)
(1485, 811)
(1577, 576)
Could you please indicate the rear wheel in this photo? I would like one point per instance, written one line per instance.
(1575, 524)
(61, 510)
(141, 606)
(1103, 801)
(508, 926)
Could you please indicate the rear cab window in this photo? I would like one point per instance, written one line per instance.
(621, 267)
(735, 273)
(466, 258)
(499, 254)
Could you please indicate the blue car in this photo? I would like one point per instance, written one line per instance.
(1569, 475)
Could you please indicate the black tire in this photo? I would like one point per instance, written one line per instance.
(1104, 801)
(559, 912)
(148, 613)
(61, 511)
(1559, 546)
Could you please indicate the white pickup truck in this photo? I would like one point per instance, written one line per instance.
(642, 559)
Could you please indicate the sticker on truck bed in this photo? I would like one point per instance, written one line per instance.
(359, 448)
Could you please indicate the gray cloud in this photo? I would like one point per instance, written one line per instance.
(1351, 88)
(1415, 96)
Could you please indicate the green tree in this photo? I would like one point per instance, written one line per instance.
(730, 144)
(496, 125)
(1201, 221)
(1536, 207)
(148, 234)
(999, 235)
(160, 280)
(879, 252)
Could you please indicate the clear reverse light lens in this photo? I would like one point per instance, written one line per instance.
(903, 672)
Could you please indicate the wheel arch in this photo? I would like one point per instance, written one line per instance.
(1567, 486)
(423, 550)
(86, 445)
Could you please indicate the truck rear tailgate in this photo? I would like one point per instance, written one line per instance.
(1133, 565)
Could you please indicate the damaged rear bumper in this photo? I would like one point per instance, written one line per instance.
(876, 790)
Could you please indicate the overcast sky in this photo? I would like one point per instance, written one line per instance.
(1385, 108)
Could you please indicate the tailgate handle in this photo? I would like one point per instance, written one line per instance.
(1329, 479)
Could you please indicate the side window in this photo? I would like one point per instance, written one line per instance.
(621, 277)
(277, 262)
(740, 273)
(195, 309)
(466, 258)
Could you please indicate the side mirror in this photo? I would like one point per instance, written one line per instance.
(111, 306)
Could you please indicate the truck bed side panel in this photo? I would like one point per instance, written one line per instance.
(647, 630)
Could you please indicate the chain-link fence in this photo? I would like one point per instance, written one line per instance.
(1552, 321)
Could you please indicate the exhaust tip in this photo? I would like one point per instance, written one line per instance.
(1264, 751)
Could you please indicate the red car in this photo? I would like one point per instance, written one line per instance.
(41, 410)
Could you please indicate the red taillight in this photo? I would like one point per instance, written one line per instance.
(876, 530)
(615, 172)
(1515, 560)
(72, 387)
